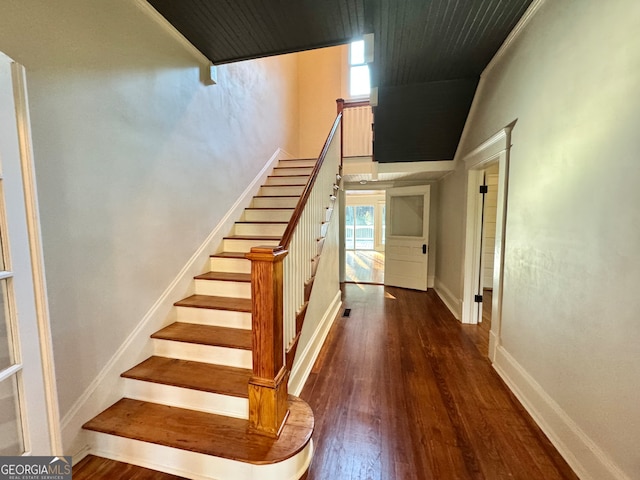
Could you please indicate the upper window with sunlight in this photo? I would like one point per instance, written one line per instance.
(359, 82)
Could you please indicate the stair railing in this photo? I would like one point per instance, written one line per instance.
(279, 277)
(357, 128)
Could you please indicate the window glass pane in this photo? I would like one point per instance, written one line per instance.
(359, 83)
(406, 215)
(364, 227)
(349, 228)
(11, 440)
(357, 53)
(6, 344)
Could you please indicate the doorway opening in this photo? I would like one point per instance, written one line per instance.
(490, 158)
(364, 236)
(488, 243)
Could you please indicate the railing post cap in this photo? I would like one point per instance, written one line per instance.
(267, 253)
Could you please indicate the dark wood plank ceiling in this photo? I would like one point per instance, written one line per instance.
(231, 30)
(418, 43)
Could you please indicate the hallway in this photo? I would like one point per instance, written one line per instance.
(403, 391)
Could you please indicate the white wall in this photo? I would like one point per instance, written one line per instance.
(321, 75)
(570, 325)
(136, 161)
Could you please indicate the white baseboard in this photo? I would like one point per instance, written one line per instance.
(305, 361)
(449, 299)
(583, 455)
(108, 387)
(431, 281)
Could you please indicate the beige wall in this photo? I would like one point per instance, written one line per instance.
(321, 76)
(136, 161)
(570, 325)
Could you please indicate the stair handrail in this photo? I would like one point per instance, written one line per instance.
(273, 331)
(304, 198)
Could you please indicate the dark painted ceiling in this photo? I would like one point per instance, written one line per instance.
(428, 54)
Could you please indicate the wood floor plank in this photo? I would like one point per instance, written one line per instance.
(401, 390)
(205, 433)
(206, 335)
(93, 468)
(205, 377)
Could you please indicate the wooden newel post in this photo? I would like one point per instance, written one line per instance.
(268, 405)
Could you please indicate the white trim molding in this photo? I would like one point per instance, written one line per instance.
(208, 71)
(515, 33)
(449, 299)
(307, 358)
(493, 150)
(37, 261)
(108, 386)
(581, 452)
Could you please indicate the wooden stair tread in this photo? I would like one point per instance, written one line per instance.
(277, 196)
(292, 166)
(206, 377)
(271, 208)
(262, 222)
(205, 433)
(253, 237)
(229, 255)
(290, 175)
(206, 335)
(225, 276)
(285, 185)
(216, 303)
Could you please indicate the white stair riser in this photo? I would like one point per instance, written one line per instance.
(187, 398)
(268, 215)
(287, 180)
(219, 318)
(231, 357)
(267, 229)
(196, 466)
(230, 265)
(236, 245)
(274, 202)
(292, 171)
(219, 288)
(275, 190)
(298, 163)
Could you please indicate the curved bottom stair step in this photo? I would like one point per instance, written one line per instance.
(214, 446)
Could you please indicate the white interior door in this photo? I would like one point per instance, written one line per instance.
(24, 420)
(407, 237)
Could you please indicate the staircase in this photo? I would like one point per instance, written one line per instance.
(186, 408)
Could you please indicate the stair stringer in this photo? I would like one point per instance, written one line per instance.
(108, 386)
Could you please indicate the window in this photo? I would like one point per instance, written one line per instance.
(359, 82)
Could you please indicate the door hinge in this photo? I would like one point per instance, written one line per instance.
(478, 299)
(424, 249)
(484, 189)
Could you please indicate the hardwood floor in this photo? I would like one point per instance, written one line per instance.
(364, 266)
(403, 391)
(92, 467)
